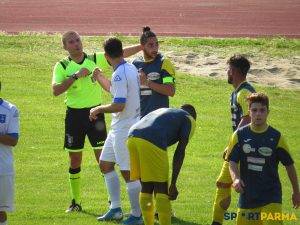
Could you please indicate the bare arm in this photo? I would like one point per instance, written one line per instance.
(8, 140)
(238, 184)
(164, 89)
(110, 108)
(176, 167)
(102, 80)
(291, 171)
(131, 50)
(244, 121)
(66, 84)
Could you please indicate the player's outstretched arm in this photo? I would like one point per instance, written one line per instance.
(110, 108)
(8, 140)
(177, 163)
(291, 171)
(102, 80)
(131, 50)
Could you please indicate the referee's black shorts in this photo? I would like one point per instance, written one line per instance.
(78, 125)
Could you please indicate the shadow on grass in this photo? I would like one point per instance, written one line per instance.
(176, 220)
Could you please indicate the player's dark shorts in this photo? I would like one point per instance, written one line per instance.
(78, 125)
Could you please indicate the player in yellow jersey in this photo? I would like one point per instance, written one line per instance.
(237, 72)
(258, 148)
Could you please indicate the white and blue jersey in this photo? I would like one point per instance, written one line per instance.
(9, 125)
(125, 89)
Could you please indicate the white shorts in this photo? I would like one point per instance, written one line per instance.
(7, 193)
(115, 149)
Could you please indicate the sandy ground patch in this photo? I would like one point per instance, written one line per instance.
(278, 72)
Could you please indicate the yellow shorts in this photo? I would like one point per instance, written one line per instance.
(259, 216)
(224, 176)
(147, 161)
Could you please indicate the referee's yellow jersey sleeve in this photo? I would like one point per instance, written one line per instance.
(59, 74)
(169, 70)
(103, 64)
(242, 100)
(232, 143)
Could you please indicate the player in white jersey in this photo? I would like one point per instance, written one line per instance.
(125, 109)
(9, 134)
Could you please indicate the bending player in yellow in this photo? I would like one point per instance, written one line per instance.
(147, 143)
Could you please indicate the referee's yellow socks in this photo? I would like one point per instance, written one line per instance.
(75, 178)
(218, 212)
(147, 208)
(163, 207)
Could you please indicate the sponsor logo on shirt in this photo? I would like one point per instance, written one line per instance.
(265, 151)
(247, 148)
(117, 78)
(153, 76)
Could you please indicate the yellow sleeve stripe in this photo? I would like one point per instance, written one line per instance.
(168, 66)
(233, 141)
(282, 144)
(242, 100)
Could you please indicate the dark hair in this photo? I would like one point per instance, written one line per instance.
(258, 98)
(113, 47)
(240, 62)
(190, 109)
(147, 33)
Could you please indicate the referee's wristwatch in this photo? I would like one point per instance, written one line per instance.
(74, 76)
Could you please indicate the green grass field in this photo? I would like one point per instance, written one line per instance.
(42, 189)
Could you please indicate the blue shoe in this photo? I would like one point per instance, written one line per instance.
(112, 214)
(133, 220)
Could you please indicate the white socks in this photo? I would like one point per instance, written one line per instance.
(133, 190)
(4, 223)
(113, 188)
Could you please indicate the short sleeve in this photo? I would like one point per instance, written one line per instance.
(283, 152)
(13, 126)
(188, 128)
(242, 100)
(119, 88)
(233, 150)
(168, 72)
(58, 74)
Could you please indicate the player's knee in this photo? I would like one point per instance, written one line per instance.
(75, 160)
(126, 175)
(3, 216)
(106, 167)
(225, 203)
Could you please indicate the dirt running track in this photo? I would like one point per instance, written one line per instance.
(218, 18)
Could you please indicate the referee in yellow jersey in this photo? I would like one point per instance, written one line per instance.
(73, 76)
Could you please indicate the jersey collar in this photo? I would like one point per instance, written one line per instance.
(121, 63)
(259, 130)
(84, 57)
(245, 81)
